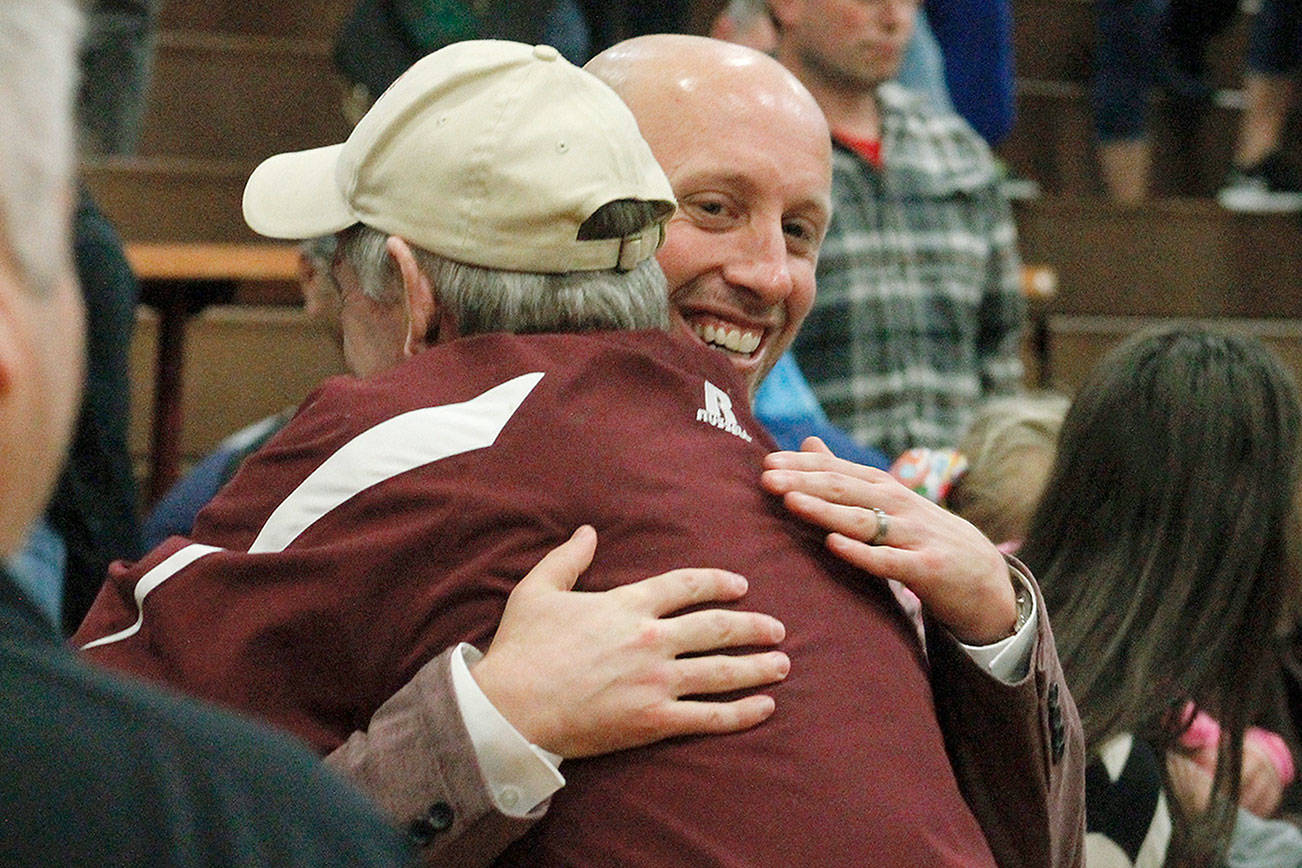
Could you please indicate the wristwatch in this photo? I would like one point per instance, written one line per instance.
(1022, 599)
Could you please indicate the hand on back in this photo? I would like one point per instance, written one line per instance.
(584, 673)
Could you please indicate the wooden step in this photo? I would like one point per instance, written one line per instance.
(312, 18)
(1076, 343)
(1053, 40)
(1168, 257)
(172, 199)
(1053, 142)
(241, 97)
(241, 363)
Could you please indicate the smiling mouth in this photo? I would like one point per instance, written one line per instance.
(730, 338)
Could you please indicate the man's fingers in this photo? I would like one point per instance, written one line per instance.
(815, 445)
(830, 486)
(561, 567)
(710, 629)
(722, 673)
(813, 459)
(713, 718)
(855, 522)
(678, 589)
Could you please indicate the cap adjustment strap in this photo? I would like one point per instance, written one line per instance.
(640, 246)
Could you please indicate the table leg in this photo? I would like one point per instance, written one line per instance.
(165, 451)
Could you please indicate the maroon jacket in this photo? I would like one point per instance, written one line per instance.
(393, 515)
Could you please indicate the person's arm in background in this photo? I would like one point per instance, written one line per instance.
(465, 755)
(1014, 738)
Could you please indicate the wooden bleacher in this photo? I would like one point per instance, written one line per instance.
(288, 96)
(233, 82)
(311, 19)
(1053, 139)
(1173, 257)
(242, 362)
(1179, 256)
(1080, 340)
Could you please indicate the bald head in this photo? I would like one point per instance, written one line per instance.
(660, 74)
(748, 154)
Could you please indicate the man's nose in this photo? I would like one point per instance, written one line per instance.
(762, 265)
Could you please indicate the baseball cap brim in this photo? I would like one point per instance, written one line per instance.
(296, 196)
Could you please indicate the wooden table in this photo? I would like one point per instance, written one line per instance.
(178, 280)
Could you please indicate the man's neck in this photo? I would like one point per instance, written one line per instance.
(856, 116)
(851, 113)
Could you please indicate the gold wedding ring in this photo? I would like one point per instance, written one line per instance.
(883, 525)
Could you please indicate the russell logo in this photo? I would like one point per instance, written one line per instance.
(718, 412)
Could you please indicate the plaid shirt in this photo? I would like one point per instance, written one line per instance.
(919, 308)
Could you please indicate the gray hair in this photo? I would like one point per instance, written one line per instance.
(38, 77)
(483, 300)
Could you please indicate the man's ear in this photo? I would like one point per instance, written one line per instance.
(419, 297)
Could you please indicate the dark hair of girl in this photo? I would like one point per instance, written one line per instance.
(1162, 543)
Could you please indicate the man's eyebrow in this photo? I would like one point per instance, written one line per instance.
(821, 209)
(710, 177)
(744, 182)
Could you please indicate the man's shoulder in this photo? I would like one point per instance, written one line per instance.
(927, 153)
(913, 117)
(129, 718)
(898, 102)
(605, 360)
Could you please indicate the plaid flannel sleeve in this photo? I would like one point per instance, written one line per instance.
(1003, 305)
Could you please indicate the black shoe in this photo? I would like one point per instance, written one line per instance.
(1272, 186)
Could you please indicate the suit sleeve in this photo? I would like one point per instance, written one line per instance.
(417, 761)
(1017, 749)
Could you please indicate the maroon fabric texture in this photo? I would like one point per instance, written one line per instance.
(852, 767)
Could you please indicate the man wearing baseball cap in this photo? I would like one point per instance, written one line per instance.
(587, 206)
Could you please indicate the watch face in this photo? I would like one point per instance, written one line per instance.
(1023, 607)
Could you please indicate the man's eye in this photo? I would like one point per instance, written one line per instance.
(800, 232)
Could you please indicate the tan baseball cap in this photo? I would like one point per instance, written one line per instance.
(486, 152)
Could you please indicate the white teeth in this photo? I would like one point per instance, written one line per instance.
(732, 339)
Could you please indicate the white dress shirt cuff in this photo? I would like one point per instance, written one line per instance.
(520, 775)
(1009, 659)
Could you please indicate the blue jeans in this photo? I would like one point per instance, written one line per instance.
(1128, 58)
